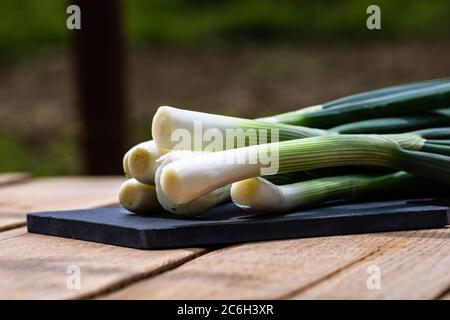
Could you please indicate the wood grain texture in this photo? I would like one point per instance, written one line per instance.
(264, 270)
(35, 266)
(55, 194)
(13, 177)
(414, 266)
(13, 233)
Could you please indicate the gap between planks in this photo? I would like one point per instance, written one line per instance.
(111, 287)
(323, 286)
(12, 233)
(33, 266)
(7, 179)
(122, 283)
(13, 177)
(445, 295)
(414, 264)
(290, 295)
(416, 268)
(261, 270)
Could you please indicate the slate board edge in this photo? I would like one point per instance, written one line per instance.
(191, 236)
(100, 233)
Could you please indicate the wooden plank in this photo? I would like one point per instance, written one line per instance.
(34, 266)
(414, 266)
(12, 233)
(55, 194)
(264, 270)
(10, 221)
(13, 177)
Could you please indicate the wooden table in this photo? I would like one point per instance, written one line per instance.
(413, 264)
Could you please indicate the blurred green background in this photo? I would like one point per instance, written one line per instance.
(247, 58)
(26, 26)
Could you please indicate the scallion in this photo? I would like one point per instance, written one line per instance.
(185, 180)
(437, 118)
(260, 195)
(383, 92)
(195, 206)
(170, 125)
(427, 98)
(434, 133)
(138, 197)
(168, 119)
(141, 161)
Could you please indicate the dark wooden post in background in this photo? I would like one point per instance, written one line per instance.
(99, 67)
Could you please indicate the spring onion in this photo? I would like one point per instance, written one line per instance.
(196, 206)
(138, 197)
(141, 161)
(300, 165)
(126, 157)
(258, 194)
(436, 148)
(440, 142)
(169, 119)
(365, 96)
(434, 118)
(434, 133)
(126, 169)
(434, 96)
(382, 92)
(208, 131)
(187, 179)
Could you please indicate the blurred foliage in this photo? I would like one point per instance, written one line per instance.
(28, 25)
(55, 156)
(193, 21)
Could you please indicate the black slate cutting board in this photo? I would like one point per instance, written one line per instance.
(228, 224)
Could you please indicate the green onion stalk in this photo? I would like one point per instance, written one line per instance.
(440, 142)
(126, 169)
(180, 129)
(432, 119)
(364, 96)
(134, 195)
(260, 195)
(138, 197)
(442, 133)
(244, 132)
(187, 179)
(140, 162)
(145, 199)
(403, 102)
(195, 206)
(437, 148)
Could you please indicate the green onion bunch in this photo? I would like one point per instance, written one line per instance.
(390, 141)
